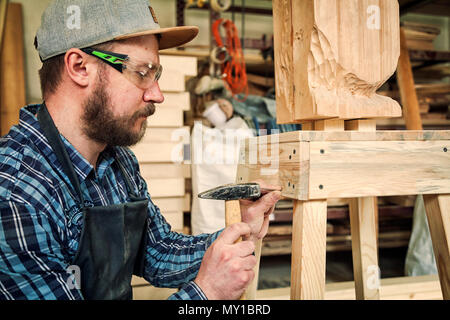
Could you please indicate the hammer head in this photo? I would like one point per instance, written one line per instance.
(233, 192)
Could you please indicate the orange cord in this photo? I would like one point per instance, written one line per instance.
(234, 68)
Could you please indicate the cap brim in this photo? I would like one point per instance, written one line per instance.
(170, 37)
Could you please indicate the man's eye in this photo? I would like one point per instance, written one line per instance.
(142, 74)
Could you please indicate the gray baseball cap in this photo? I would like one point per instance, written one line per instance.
(67, 24)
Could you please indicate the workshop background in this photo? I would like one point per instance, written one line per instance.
(187, 148)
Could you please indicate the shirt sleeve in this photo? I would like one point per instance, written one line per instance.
(189, 291)
(32, 265)
(173, 259)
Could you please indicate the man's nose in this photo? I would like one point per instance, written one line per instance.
(153, 94)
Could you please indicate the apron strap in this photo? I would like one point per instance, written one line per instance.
(53, 136)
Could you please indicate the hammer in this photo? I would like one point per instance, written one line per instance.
(232, 193)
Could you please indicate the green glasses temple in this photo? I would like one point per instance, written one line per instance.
(115, 60)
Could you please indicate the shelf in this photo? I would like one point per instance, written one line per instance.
(399, 123)
(433, 7)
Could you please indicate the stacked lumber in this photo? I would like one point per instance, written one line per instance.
(420, 36)
(260, 85)
(394, 221)
(434, 100)
(161, 152)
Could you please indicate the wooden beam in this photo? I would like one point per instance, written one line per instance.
(388, 135)
(282, 21)
(309, 234)
(367, 125)
(3, 8)
(359, 169)
(363, 212)
(12, 75)
(405, 80)
(364, 231)
(437, 208)
(354, 168)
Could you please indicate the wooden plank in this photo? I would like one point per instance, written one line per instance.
(152, 293)
(3, 9)
(165, 170)
(364, 247)
(401, 288)
(358, 169)
(283, 245)
(175, 219)
(407, 90)
(354, 168)
(282, 21)
(176, 100)
(142, 290)
(181, 64)
(438, 212)
(166, 187)
(366, 125)
(12, 75)
(173, 78)
(166, 117)
(329, 125)
(179, 204)
(303, 36)
(442, 124)
(171, 152)
(364, 232)
(282, 165)
(173, 81)
(385, 135)
(309, 231)
(166, 135)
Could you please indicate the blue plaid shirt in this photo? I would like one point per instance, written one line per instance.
(40, 222)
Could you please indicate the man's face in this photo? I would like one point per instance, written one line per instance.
(116, 112)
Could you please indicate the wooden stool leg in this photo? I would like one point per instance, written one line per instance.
(363, 225)
(437, 208)
(309, 239)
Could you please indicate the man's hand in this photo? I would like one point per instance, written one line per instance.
(256, 213)
(227, 267)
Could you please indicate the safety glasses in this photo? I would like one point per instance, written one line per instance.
(141, 74)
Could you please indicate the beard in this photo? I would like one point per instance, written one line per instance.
(100, 124)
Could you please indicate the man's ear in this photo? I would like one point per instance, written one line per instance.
(78, 68)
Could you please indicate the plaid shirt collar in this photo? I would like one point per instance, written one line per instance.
(29, 122)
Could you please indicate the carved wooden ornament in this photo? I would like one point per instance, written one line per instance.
(332, 55)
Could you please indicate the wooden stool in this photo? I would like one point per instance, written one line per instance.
(329, 62)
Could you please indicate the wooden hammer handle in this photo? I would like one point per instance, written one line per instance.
(232, 213)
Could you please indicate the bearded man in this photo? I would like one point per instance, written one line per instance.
(72, 199)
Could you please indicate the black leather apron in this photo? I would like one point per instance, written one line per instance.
(113, 237)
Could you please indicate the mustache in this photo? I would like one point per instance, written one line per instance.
(147, 111)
